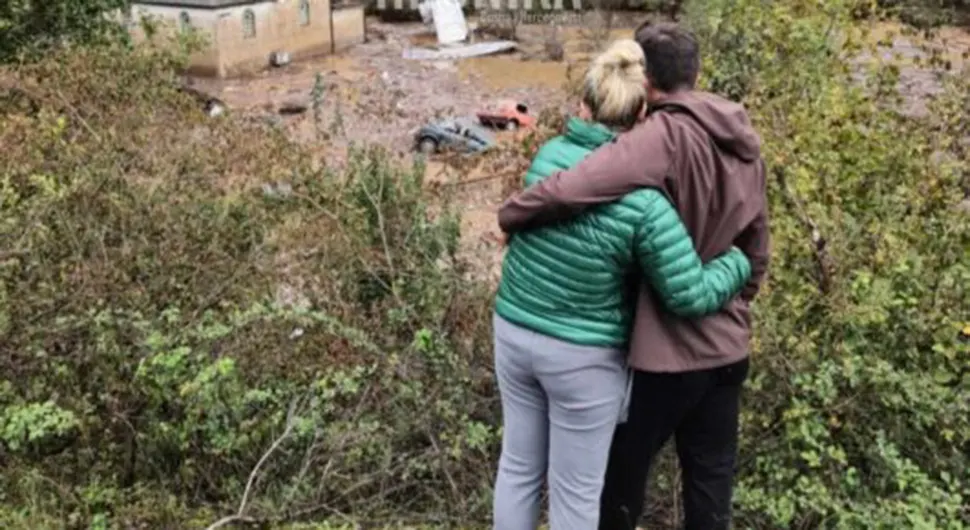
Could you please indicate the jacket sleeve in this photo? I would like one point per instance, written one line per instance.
(666, 254)
(636, 159)
(755, 242)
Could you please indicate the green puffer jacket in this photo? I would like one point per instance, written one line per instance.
(576, 281)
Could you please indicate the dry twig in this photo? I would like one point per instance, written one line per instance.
(819, 243)
(240, 515)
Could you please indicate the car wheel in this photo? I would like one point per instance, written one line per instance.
(511, 125)
(427, 146)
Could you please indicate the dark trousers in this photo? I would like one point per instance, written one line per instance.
(700, 410)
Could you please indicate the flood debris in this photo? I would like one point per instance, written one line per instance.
(279, 58)
(553, 46)
(453, 35)
(277, 190)
(211, 105)
(448, 19)
(445, 65)
(463, 51)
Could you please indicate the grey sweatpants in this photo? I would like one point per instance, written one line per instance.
(560, 406)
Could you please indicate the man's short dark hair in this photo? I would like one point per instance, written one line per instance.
(672, 54)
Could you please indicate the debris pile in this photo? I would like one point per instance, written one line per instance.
(452, 32)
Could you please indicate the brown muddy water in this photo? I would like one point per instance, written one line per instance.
(378, 97)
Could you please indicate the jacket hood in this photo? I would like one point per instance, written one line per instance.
(725, 121)
(588, 133)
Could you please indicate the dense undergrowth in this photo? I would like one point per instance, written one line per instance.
(198, 319)
(178, 290)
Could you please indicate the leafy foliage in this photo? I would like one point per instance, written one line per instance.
(859, 412)
(177, 289)
(928, 13)
(32, 27)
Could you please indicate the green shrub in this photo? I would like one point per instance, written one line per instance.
(928, 13)
(179, 290)
(858, 414)
(30, 28)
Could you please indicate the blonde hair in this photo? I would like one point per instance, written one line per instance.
(615, 85)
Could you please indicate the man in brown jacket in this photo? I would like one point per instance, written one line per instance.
(702, 151)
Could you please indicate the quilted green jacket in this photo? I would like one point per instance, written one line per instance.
(576, 281)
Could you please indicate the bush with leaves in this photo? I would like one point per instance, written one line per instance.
(928, 13)
(30, 27)
(858, 413)
(178, 291)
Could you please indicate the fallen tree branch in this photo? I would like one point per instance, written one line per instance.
(298, 514)
(823, 260)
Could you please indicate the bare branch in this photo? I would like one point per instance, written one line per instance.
(232, 519)
(819, 243)
(290, 422)
(240, 516)
(377, 205)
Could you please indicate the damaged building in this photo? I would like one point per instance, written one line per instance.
(244, 35)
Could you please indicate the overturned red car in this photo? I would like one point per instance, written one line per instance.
(508, 115)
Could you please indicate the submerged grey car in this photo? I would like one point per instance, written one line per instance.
(458, 133)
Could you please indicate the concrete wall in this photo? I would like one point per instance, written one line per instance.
(348, 25)
(279, 27)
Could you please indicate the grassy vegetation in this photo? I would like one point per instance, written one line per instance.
(199, 321)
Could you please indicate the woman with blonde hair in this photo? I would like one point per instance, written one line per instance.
(565, 306)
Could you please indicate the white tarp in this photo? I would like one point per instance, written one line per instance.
(425, 9)
(452, 31)
(448, 19)
(460, 51)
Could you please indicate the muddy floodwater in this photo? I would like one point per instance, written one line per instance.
(381, 97)
(370, 94)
